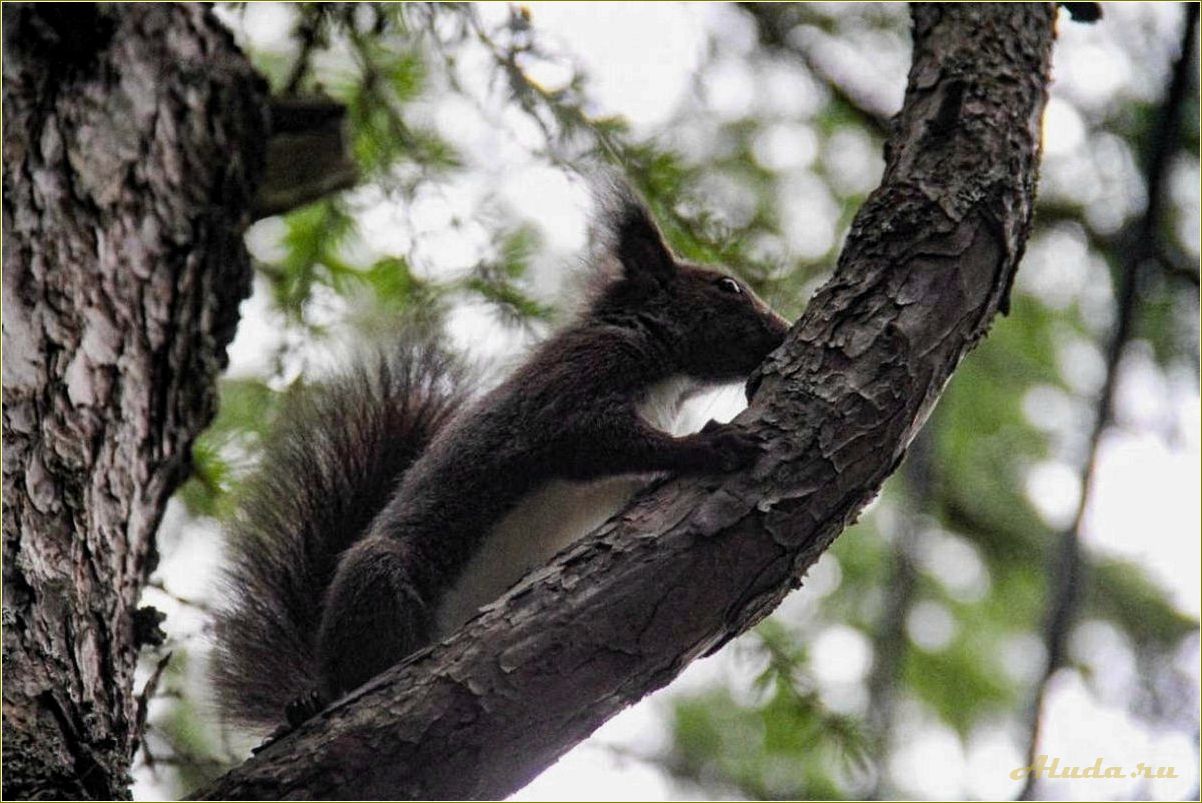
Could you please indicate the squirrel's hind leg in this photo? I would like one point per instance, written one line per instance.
(373, 616)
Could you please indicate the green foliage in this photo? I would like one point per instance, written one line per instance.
(962, 683)
(785, 745)
(1123, 594)
(311, 245)
(498, 281)
(246, 411)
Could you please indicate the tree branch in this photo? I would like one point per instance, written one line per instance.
(306, 155)
(694, 562)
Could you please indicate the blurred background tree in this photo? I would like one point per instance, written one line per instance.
(1027, 584)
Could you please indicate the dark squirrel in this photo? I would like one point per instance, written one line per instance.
(390, 507)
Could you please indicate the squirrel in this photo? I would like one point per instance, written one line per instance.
(391, 507)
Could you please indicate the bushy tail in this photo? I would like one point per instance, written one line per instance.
(330, 466)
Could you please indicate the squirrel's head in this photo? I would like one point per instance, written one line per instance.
(710, 323)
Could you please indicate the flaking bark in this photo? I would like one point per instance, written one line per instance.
(132, 146)
(692, 563)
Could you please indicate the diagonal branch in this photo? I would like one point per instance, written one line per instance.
(693, 563)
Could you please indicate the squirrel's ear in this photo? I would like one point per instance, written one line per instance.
(640, 247)
(634, 239)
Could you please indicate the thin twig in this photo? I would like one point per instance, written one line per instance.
(774, 34)
(148, 693)
(308, 32)
(889, 644)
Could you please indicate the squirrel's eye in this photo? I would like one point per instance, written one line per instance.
(729, 285)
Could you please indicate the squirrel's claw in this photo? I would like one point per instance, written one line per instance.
(296, 713)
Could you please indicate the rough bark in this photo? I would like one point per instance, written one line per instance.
(692, 563)
(132, 145)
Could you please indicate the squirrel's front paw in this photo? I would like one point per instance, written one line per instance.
(727, 447)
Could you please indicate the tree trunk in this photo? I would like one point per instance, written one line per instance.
(929, 261)
(132, 148)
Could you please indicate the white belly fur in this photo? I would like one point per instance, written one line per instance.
(547, 520)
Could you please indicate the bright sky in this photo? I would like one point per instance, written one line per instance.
(642, 58)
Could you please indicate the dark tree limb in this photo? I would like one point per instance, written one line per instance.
(1137, 247)
(307, 155)
(132, 144)
(693, 563)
